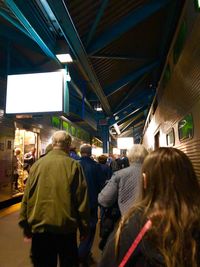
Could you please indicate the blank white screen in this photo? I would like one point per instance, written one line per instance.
(124, 142)
(33, 93)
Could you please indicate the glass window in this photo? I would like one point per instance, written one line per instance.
(55, 122)
(170, 138)
(186, 127)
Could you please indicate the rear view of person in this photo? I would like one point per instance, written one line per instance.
(170, 208)
(54, 205)
(125, 187)
(94, 177)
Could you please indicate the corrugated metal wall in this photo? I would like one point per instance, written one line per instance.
(182, 94)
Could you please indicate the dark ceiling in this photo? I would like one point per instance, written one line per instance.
(119, 49)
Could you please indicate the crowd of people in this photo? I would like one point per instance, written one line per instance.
(148, 204)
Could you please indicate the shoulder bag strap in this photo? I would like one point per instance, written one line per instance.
(135, 243)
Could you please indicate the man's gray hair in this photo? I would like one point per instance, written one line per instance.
(61, 140)
(86, 149)
(137, 153)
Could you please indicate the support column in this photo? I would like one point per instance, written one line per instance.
(105, 138)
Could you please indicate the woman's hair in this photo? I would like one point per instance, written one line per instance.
(171, 200)
(137, 153)
(102, 159)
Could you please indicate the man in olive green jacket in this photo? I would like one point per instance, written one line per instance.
(54, 206)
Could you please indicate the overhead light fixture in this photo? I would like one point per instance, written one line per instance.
(64, 58)
(117, 128)
(98, 107)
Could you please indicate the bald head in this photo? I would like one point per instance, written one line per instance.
(61, 140)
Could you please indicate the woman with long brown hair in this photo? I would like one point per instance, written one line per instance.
(171, 203)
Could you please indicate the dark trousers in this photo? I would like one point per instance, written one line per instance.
(48, 247)
(85, 245)
(15, 180)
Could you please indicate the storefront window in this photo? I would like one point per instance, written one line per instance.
(170, 138)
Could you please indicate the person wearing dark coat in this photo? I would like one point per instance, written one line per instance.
(93, 174)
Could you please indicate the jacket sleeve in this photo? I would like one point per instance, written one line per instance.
(108, 195)
(81, 201)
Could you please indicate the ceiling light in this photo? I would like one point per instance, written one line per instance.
(64, 58)
(98, 107)
(117, 129)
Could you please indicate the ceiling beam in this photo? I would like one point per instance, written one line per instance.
(130, 92)
(32, 25)
(96, 22)
(17, 38)
(142, 96)
(119, 57)
(125, 24)
(116, 86)
(14, 22)
(140, 118)
(127, 113)
(70, 34)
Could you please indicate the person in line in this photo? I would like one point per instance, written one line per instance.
(120, 192)
(93, 175)
(170, 207)
(124, 161)
(17, 166)
(73, 153)
(102, 159)
(124, 187)
(29, 159)
(55, 204)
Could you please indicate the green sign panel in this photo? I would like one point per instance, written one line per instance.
(56, 122)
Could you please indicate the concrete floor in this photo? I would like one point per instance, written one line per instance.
(14, 252)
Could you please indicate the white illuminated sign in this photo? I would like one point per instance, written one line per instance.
(124, 142)
(35, 93)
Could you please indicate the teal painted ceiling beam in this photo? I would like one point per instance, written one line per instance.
(17, 38)
(25, 21)
(126, 24)
(70, 34)
(126, 113)
(14, 22)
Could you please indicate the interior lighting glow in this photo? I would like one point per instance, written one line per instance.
(34, 93)
(64, 58)
(124, 142)
(97, 151)
(116, 151)
(117, 128)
